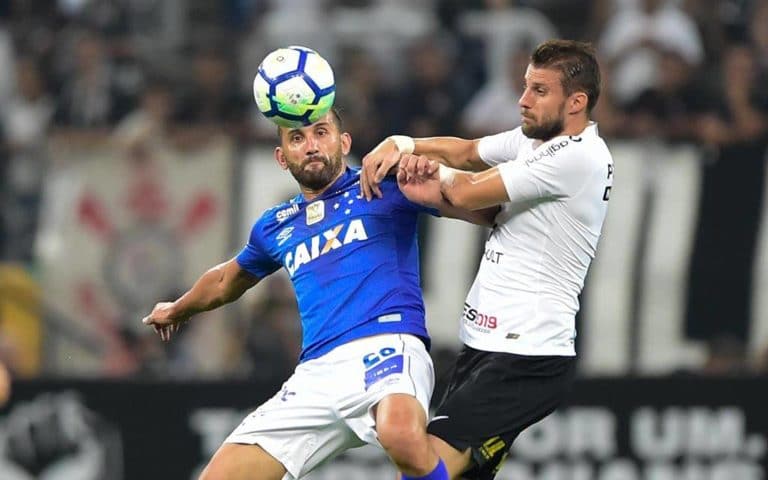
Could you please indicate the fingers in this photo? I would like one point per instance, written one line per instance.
(416, 168)
(365, 182)
(163, 330)
(368, 183)
(376, 166)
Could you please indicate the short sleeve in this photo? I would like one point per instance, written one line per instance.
(254, 258)
(500, 148)
(548, 177)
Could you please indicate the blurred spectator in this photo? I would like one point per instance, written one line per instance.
(735, 129)
(364, 99)
(634, 37)
(433, 92)
(613, 121)
(25, 121)
(505, 29)
(89, 98)
(383, 29)
(494, 107)
(148, 125)
(273, 332)
(212, 103)
(666, 109)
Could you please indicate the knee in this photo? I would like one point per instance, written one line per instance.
(404, 440)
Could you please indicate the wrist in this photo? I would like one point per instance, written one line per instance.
(446, 175)
(404, 143)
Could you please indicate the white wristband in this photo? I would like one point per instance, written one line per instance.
(404, 143)
(446, 174)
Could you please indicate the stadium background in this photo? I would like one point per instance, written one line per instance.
(132, 158)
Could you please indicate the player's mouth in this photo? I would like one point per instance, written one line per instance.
(315, 161)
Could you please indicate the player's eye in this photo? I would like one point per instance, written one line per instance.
(295, 138)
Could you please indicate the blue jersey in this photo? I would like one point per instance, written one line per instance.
(354, 264)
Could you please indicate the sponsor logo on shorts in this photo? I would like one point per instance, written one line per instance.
(477, 320)
(380, 365)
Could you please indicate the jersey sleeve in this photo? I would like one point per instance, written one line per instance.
(401, 201)
(550, 177)
(500, 148)
(254, 257)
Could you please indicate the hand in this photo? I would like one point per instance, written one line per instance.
(376, 164)
(419, 181)
(164, 320)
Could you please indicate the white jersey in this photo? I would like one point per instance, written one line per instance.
(525, 296)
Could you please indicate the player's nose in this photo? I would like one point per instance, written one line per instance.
(312, 143)
(525, 99)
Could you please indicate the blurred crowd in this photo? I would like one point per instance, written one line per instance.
(178, 73)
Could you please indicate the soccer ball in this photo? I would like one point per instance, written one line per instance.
(294, 86)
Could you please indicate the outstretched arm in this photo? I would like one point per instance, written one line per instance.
(451, 151)
(418, 179)
(218, 286)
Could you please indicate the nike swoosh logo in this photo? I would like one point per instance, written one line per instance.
(440, 417)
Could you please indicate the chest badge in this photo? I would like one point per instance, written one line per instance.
(315, 212)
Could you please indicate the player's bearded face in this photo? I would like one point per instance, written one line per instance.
(317, 170)
(542, 104)
(544, 126)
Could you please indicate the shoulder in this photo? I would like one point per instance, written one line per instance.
(276, 215)
(588, 148)
(507, 138)
(501, 147)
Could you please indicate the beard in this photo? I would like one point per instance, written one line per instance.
(315, 178)
(547, 128)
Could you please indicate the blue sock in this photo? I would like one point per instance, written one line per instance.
(439, 473)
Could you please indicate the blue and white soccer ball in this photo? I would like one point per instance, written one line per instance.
(294, 86)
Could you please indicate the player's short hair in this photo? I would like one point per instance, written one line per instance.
(337, 120)
(577, 64)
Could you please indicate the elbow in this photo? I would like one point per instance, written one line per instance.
(459, 198)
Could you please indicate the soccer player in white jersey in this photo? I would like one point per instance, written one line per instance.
(364, 374)
(552, 178)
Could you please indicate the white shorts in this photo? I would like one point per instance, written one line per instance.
(325, 407)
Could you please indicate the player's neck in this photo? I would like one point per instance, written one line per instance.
(310, 194)
(575, 127)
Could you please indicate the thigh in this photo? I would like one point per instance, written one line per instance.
(492, 397)
(299, 425)
(388, 365)
(243, 462)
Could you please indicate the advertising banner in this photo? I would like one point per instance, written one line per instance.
(613, 429)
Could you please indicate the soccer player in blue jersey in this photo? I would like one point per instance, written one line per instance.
(364, 374)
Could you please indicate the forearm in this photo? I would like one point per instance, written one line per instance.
(485, 217)
(451, 151)
(472, 191)
(214, 288)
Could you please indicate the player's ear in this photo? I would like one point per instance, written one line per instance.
(280, 158)
(577, 102)
(346, 143)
